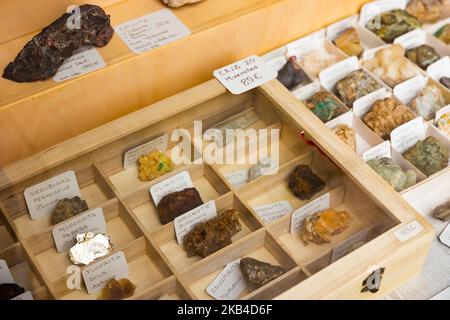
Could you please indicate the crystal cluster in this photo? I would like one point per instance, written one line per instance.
(304, 183)
(393, 174)
(257, 273)
(319, 227)
(90, 247)
(392, 24)
(68, 208)
(154, 165)
(354, 86)
(429, 156)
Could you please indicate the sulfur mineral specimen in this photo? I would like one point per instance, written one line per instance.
(443, 34)
(392, 24)
(154, 165)
(445, 82)
(324, 106)
(429, 100)
(429, 11)
(258, 274)
(10, 290)
(258, 170)
(386, 115)
(292, 75)
(211, 236)
(393, 174)
(442, 212)
(349, 42)
(117, 289)
(177, 203)
(41, 57)
(317, 60)
(319, 227)
(429, 156)
(179, 3)
(68, 208)
(443, 123)
(356, 85)
(346, 134)
(423, 55)
(304, 183)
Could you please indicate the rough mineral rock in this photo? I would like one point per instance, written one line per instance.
(442, 212)
(386, 115)
(346, 134)
(179, 3)
(349, 42)
(117, 290)
(319, 227)
(291, 75)
(317, 60)
(393, 174)
(177, 203)
(444, 124)
(356, 85)
(392, 24)
(10, 290)
(423, 55)
(211, 236)
(429, 11)
(445, 82)
(258, 274)
(41, 57)
(154, 165)
(443, 34)
(258, 170)
(68, 208)
(428, 102)
(429, 156)
(90, 247)
(324, 106)
(304, 183)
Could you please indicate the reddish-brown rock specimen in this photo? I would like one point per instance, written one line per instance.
(258, 274)
(10, 290)
(177, 203)
(304, 183)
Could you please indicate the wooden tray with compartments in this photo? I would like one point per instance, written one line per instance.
(158, 264)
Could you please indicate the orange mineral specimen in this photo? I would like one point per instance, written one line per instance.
(117, 289)
(319, 227)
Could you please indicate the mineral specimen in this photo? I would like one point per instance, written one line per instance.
(41, 57)
(346, 134)
(258, 274)
(445, 82)
(443, 34)
(177, 203)
(179, 3)
(356, 85)
(324, 106)
(429, 11)
(429, 156)
(211, 236)
(154, 165)
(319, 227)
(349, 42)
(392, 24)
(317, 60)
(443, 123)
(68, 208)
(291, 75)
(240, 121)
(442, 212)
(304, 183)
(258, 170)
(423, 55)
(90, 247)
(386, 115)
(429, 100)
(10, 290)
(393, 174)
(117, 290)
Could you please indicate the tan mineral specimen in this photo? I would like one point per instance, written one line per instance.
(346, 134)
(117, 290)
(317, 60)
(349, 42)
(319, 227)
(179, 3)
(429, 11)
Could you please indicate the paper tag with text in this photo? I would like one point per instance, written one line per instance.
(445, 236)
(176, 183)
(273, 211)
(343, 248)
(5, 274)
(131, 156)
(409, 231)
(408, 134)
(229, 284)
(335, 29)
(383, 150)
(319, 204)
(237, 178)
(24, 296)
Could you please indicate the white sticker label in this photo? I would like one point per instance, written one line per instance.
(305, 93)
(186, 222)
(444, 295)
(229, 284)
(330, 76)
(237, 178)
(245, 75)
(383, 150)
(5, 274)
(42, 198)
(408, 134)
(83, 61)
(300, 47)
(317, 205)
(98, 274)
(439, 69)
(24, 296)
(375, 8)
(343, 249)
(131, 156)
(274, 211)
(445, 236)
(65, 233)
(152, 31)
(409, 231)
(176, 183)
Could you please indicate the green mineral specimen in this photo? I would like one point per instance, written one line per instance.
(323, 105)
(392, 24)
(393, 174)
(429, 156)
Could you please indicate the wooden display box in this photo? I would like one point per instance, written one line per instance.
(159, 265)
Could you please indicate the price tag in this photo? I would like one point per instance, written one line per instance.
(131, 156)
(176, 183)
(274, 211)
(409, 231)
(237, 178)
(408, 134)
(383, 150)
(5, 274)
(317, 205)
(245, 75)
(229, 284)
(445, 236)
(186, 222)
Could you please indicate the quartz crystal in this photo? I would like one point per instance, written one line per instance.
(179, 3)
(442, 212)
(423, 56)
(258, 274)
(392, 24)
(324, 106)
(393, 174)
(356, 85)
(292, 75)
(443, 123)
(319, 227)
(304, 183)
(428, 102)
(346, 134)
(429, 11)
(317, 60)
(117, 289)
(429, 156)
(177, 203)
(445, 82)
(10, 290)
(90, 247)
(154, 165)
(443, 34)
(68, 208)
(349, 42)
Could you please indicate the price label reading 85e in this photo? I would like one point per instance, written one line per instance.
(245, 75)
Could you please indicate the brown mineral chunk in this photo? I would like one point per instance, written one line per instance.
(445, 82)
(68, 208)
(429, 11)
(346, 134)
(304, 183)
(442, 212)
(211, 236)
(349, 42)
(10, 290)
(423, 56)
(443, 34)
(177, 203)
(258, 274)
(117, 290)
(356, 85)
(319, 227)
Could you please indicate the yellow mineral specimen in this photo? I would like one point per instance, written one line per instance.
(154, 165)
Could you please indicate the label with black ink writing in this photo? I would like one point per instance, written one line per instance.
(229, 284)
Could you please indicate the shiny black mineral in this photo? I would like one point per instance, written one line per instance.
(258, 274)
(41, 57)
(10, 290)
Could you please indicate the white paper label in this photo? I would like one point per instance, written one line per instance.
(408, 134)
(343, 249)
(319, 204)
(176, 183)
(302, 46)
(445, 236)
(84, 60)
(65, 233)
(186, 222)
(245, 75)
(5, 274)
(229, 284)
(42, 198)
(409, 89)
(409, 231)
(152, 31)
(330, 76)
(97, 275)
(274, 211)
(237, 178)
(305, 93)
(24, 296)
(363, 105)
(131, 156)
(336, 28)
(383, 150)
(411, 39)
(442, 112)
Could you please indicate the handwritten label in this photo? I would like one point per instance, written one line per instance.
(85, 60)
(363, 105)
(383, 150)
(409, 231)
(306, 92)
(5, 274)
(131, 156)
(330, 76)
(152, 31)
(237, 178)
(245, 75)
(274, 211)
(42, 198)
(24, 296)
(97, 275)
(229, 284)
(317, 205)
(178, 182)
(408, 134)
(445, 236)
(186, 222)
(65, 233)
(412, 39)
(344, 248)
(302, 46)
